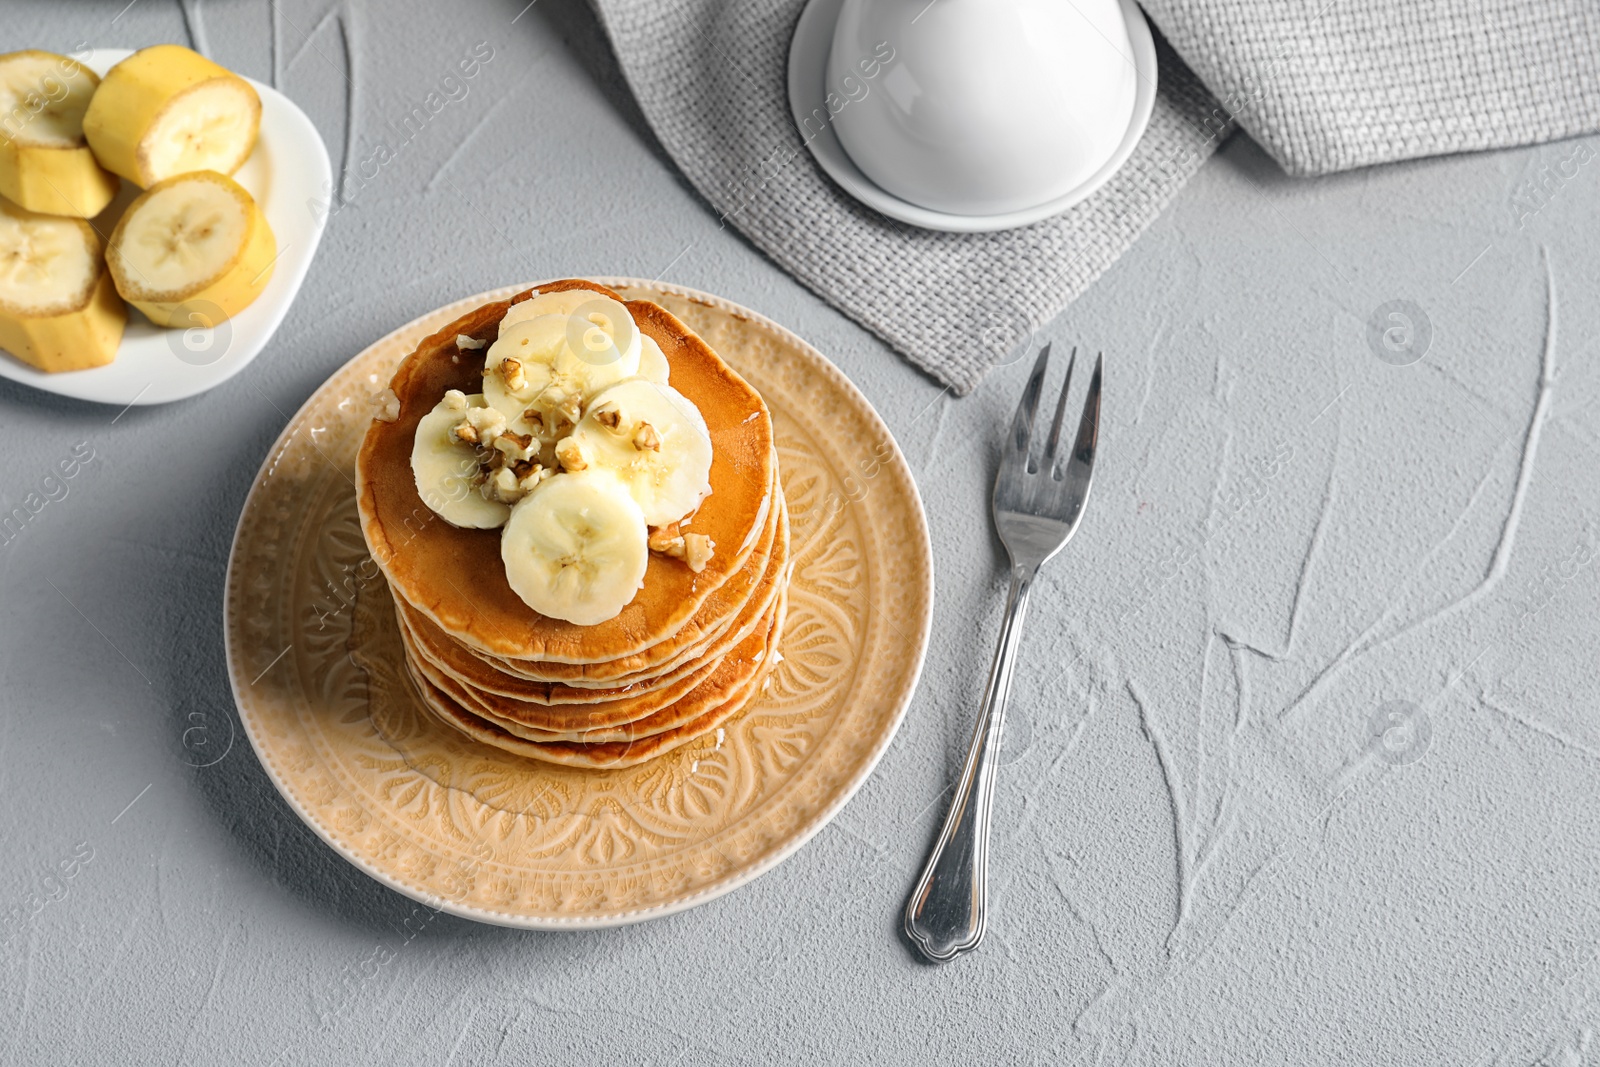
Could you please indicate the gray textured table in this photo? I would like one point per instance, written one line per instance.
(1206, 849)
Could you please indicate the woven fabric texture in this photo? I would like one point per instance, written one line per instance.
(1328, 85)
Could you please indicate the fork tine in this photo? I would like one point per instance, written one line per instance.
(1081, 460)
(1061, 409)
(1028, 406)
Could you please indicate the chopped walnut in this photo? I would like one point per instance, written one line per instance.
(463, 341)
(535, 419)
(664, 537)
(489, 422)
(645, 438)
(502, 486)
(455, 400)
(517, 447)
(465, 432)
(387, 406)
(693, 549)
(570, 408)
(570, 454)
(609, 417)
(511, 373)
(697, 551)
(535, 474)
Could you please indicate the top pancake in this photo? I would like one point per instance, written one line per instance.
(455, 576)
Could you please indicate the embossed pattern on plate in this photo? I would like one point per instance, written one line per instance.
(315, 663)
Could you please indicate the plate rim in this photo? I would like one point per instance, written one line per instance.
(13, 369)
(923, 548)
(829, 154)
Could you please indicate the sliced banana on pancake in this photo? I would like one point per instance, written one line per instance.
(603, 328)
(446, 466)
(575, 548)
(655, 441)
(653, 362)
(564, 302)
(542, 371)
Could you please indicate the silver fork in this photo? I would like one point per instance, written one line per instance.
(1037, 505)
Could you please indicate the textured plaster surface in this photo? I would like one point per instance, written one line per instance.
(1203, 854)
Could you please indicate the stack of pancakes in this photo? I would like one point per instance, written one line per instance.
(684, 656)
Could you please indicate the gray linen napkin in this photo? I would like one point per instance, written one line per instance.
(1324, 85)
(1327, 85)
(711, 78)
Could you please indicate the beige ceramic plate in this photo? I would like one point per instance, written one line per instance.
(316, 668)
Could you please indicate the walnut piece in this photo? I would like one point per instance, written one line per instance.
(570, 408)
(645, 438)
(664, 537)
(489, 422)
(517, 447)
(463, 341)
(387, 405)
(512, 374)
(697, 551)
(693, 549)
(570, 454)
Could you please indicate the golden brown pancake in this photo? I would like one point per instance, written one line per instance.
(427, 642)
(671, 655)
(608, 754)
(623, 704)
(455, 576)
(578, 723)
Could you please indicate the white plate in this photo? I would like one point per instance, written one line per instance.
(288, 174)
(808, 66)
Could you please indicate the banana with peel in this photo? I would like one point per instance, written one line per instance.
(167, 110)
(58, 308)
(45, 162)
(193, 250)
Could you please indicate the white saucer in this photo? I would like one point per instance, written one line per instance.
(290, 176)
(808, 65)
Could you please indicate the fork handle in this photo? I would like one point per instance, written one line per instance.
(946, 913)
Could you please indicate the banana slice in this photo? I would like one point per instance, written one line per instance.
(654, 439)
(193, 249)
(542, 370)
(653, 362)
(446, 468)
(45, 163)
(167, 110)
(602, 330)
(58, 308)
(576, 549)
(571, 302)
